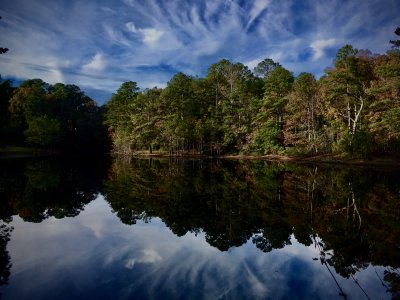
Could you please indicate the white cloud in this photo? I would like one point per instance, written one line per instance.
(97, 64)
(130, 263)
(115, 36)
(206, 48)
(57, 73)
(149, 256)
(109, 10)
(320, 45)
(151, 35)
(131, 27)
(258, 7)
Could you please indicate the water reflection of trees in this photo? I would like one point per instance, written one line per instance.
(36, 190)
(354, 211)
(5, 263)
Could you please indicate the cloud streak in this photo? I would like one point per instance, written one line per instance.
(97, 64)
(117, 40)
(319, 47)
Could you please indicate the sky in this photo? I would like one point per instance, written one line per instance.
(99, 44)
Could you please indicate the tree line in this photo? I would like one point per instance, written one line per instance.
(56, 117)
(353, 108)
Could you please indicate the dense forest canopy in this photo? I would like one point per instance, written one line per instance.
(352, 109)
(57, 117)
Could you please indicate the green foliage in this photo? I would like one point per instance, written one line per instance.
(118, 107)
(43, 131)
(7, 134)
(56, 116)
(279, 83)
(145, 120)
(266, 139)
(265, 68)
(303, 129)
(349, 91)
(29, 100)
(362, 144)
(269, 119)
(118, 116)
(352, 109)
(384, 115)
(345, 56)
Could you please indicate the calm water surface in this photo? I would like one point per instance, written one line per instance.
(161, 229)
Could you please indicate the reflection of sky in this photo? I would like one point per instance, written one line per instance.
(95, 256)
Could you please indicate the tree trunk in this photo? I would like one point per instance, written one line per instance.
(357, 114)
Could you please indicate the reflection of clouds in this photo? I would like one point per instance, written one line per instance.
(149, 256)
(96, 225)
(130, 263)
(258, 286)
(96, 251)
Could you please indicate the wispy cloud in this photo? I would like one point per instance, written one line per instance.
(96, 64)
(320, 45)
(118, 40)
(130, 26)
(151, 36)
(258, 8)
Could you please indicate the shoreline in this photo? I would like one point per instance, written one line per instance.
(328, 159)
(8, 152)
(321, 159)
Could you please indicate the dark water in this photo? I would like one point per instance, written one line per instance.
(160, 229)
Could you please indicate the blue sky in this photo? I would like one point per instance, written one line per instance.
(100, 44)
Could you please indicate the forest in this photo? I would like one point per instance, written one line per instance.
(353, 109)
(53, 117)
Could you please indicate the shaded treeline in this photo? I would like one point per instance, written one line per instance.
(353, 108)
(57, 117)
(350, 214)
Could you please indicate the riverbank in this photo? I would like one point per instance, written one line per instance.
(324, 159)
(21, 152)
(319, 159)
